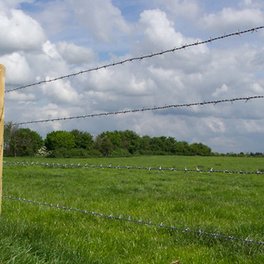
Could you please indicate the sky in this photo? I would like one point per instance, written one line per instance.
(43, 39)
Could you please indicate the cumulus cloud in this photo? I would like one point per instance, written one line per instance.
(14, 32)
(17, 68)
(181, 8)
(192, 75)
(20, 97)
(46, 62)
(257, 87)
(101, 17)
(53, 16)
(221, 91)
(50, 50)
(75, 54)
(6, 4)
(120, 83)
(60, 92)
(215, 125)
(159, 29)
(229, 18)
(160, 33)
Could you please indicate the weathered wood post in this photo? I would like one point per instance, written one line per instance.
(2, 94)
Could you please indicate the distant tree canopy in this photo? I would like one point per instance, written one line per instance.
(82, 140)
(21, 142)
(60, 140)
(76, 143)
(118, 143)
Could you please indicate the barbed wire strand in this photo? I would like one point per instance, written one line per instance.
(144, 109)
(126, 167)
(139, 221)
(238, 33)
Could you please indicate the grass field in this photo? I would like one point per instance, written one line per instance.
(230, 204)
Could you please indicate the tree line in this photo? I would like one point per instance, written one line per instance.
(76, 143)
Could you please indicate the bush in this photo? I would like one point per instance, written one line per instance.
(121, 153)
(73, 153)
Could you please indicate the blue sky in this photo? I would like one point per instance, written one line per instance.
(46, 39)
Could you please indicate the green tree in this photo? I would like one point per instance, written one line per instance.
(9, 131)
(182, 148)
(104, 145)
(145, 145)
(156, 145)
(60, 140)
(200, 149)
(25, 142)
(118, 142)
(82, 140)
(130, 141)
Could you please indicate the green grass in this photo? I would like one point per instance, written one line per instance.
(226, 203)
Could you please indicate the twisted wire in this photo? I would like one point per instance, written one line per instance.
(238, 33)
(144, 109)
(127, 167)
(131, 219)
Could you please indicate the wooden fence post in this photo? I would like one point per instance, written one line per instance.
(2, 94)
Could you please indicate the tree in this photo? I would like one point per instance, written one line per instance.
(130, 141)
(25, 142)
(200, 149)
(9, 131)
(104, 145)
(145, 145)
(82, 140)
(60, 140)
(118, 142)
(183, 148)
(156, 145)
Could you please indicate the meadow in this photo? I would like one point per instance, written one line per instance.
(222, 203)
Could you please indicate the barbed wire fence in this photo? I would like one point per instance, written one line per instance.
(144, 109)
(129, 218)
(139, 58)
(140, 221)
(128, 167)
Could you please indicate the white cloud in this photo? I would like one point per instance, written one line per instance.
(216, 125)
(121, 83)
(50, 50)
(190, 75)
(221, 91)
(153, 124)
(101, 17)
(181, 8)
(17, 68)
(60, 92)
(20, 97)
(160, 34)
(53, 16)
(231, 19)
(257, 88)
(224, 144)
(74, 54)
(252, 126)
(158, 29)
(19, 32)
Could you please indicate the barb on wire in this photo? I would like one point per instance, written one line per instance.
(238, 33)
(126, 167)
(144, 109)
(140, 222)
